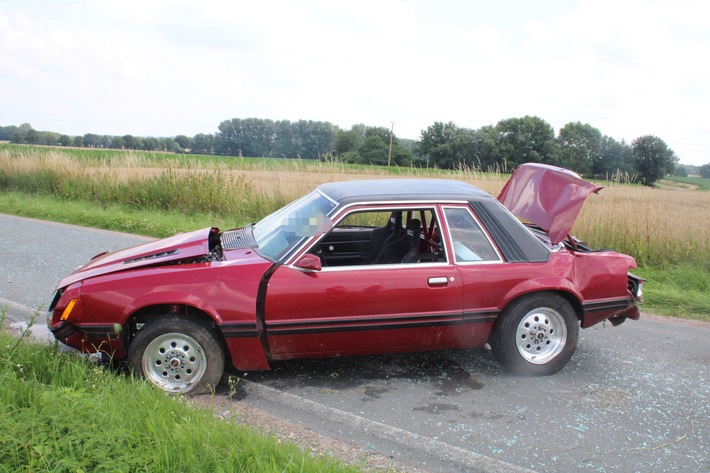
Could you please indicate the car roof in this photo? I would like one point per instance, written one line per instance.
(395, 190)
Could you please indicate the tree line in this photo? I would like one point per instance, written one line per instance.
(500, 147)
(579, 147)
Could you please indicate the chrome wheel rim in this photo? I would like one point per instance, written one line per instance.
(174, 362)
(541, 335)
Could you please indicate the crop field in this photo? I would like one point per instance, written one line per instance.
(664, 229)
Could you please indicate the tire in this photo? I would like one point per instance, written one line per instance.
(177, 355)
(536, 335)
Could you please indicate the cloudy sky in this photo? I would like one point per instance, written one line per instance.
(167, 67)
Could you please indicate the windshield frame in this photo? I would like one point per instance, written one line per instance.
(274, 242)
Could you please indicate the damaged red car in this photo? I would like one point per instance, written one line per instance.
(356, 268)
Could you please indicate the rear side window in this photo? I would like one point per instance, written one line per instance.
(470, 242)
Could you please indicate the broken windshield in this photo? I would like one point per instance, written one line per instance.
(283, 230)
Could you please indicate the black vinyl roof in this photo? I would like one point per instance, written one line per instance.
(395, 190)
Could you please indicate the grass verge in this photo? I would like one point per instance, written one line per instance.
(115, 217)
(61, 413)
(677, 291)
(673, 290)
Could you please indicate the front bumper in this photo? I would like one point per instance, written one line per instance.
(89, 339)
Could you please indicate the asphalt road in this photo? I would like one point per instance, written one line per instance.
(634, 398)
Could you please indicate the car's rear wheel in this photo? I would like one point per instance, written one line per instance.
(177, 355)
(536, 335)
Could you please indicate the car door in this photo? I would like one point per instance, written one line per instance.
(485, 277)
(366, 308)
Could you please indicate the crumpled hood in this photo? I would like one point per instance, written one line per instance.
(548, 196)
(181, 246)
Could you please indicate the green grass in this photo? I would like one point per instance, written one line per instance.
(114, 217)
(61, 413)
(700, 182)
(678, 291)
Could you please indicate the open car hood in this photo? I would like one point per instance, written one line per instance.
(182, 246)
(547, 196)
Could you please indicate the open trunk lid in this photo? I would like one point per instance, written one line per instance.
(547, 196)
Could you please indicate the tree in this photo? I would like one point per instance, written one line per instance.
(91, 140)
(617, 158)
(436, 144)
(202, 144)
(245, 137)
(370, 145)
(184, 142)
(411, 146)
(65, 140)
(373, 151)
(151, 144)
(525, 140)
(8, 132)
(32, 137)
(132, 142)
(401, 156)
(347, 141)
(482, 152)
(680, 171)
(285, 142)
(117, 142)
(704, 171)
(169, 144)
(50, 138)
(579, 147)
(447, 146)
(316, 138)
(653, 159)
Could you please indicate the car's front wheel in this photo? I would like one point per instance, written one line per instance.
(178, 355)
(536, 335)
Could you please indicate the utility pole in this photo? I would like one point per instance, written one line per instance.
(389, 156)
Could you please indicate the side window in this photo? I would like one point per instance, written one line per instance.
(469, 241)
(382, 236)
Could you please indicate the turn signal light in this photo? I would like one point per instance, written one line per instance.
(68, 309)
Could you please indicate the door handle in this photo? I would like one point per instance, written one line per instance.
(440, 281)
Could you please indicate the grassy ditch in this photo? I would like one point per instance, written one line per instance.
(61, 413)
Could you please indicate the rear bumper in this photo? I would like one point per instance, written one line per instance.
(614, 310)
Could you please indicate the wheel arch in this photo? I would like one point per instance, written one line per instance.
(570, 297)
(147, 313)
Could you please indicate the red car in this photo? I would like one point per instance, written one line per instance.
(356, 268)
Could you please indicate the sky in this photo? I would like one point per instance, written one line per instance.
(167, 67)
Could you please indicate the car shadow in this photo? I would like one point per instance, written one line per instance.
(447, 372)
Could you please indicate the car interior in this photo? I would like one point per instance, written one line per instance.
(402, 236)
